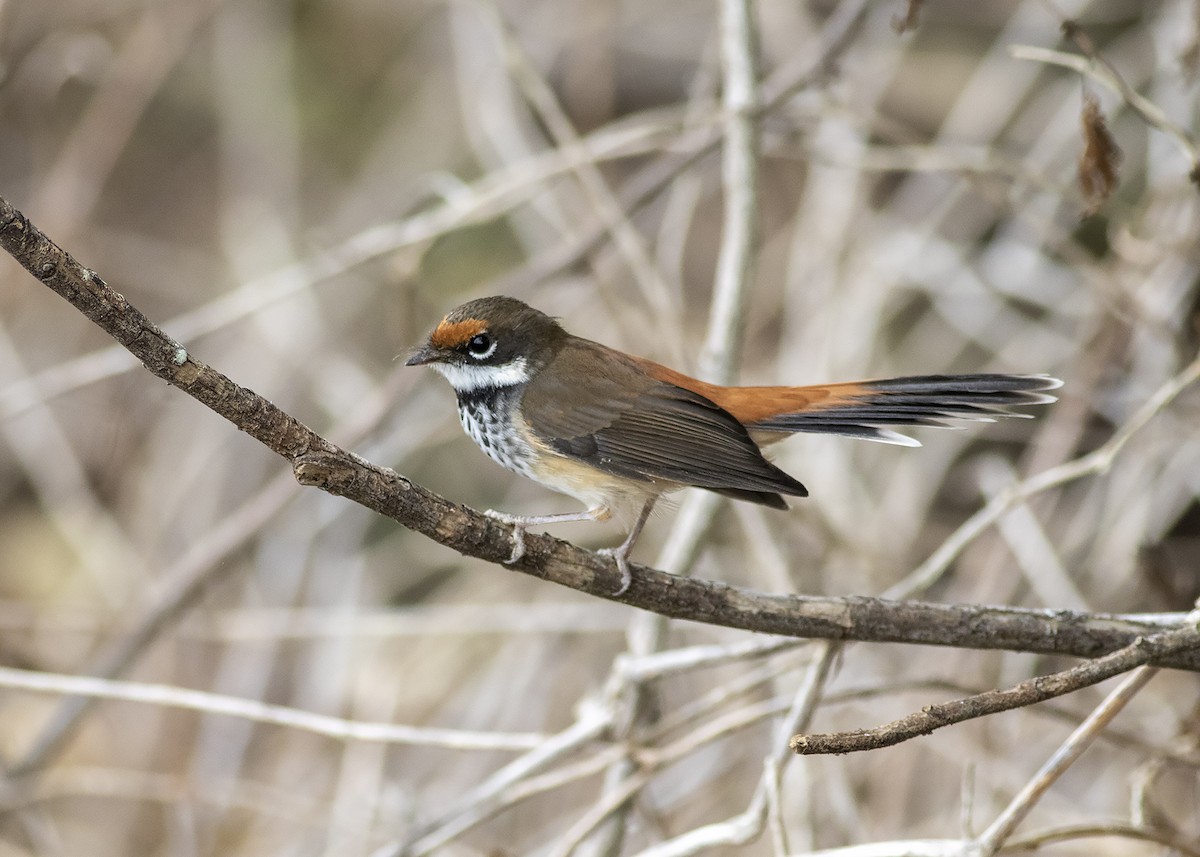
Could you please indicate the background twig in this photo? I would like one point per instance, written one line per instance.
(1029, 692)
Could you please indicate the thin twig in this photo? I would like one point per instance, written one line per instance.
(488, 197)
(1103, 73)
(992, 839)
(1150, 112)
(748, 824)
(261, 712)
(1096, 462)
(1117, 830)
(543, 100)
(1028, 692)
(719, 358)
(486, 798)
(185, 580)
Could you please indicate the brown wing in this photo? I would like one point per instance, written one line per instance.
(867, 409)
(615, 417)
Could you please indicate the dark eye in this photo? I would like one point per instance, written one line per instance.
(481, 346)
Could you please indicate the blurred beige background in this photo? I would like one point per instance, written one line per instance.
(297, 191)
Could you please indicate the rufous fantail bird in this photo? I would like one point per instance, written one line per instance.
(617, 431)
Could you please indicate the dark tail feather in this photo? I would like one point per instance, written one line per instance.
(764, 498)
(922, 400)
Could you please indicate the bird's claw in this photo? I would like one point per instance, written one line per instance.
(518, 534)
(621, 555)
(518, 540)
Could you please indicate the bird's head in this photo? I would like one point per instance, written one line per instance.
(489, 342)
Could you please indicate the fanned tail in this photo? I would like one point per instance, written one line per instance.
(868, 409)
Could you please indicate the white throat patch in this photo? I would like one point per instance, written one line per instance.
(467, 379)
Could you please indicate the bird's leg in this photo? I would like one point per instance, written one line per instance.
(622, 551)
(520, 523)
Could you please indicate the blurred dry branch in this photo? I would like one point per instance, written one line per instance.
(778, 191)
(1029, 692)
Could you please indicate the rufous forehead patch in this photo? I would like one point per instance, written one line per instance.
(451, 334)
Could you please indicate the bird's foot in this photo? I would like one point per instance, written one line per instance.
(621, 555)
(518, 525)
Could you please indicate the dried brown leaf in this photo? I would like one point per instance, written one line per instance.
(1101, 157)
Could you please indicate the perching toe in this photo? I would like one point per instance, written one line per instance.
(518, 540)
(620, 555)
(518, 533)
(626, 575)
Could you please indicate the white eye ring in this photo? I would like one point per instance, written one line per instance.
(481, 346)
